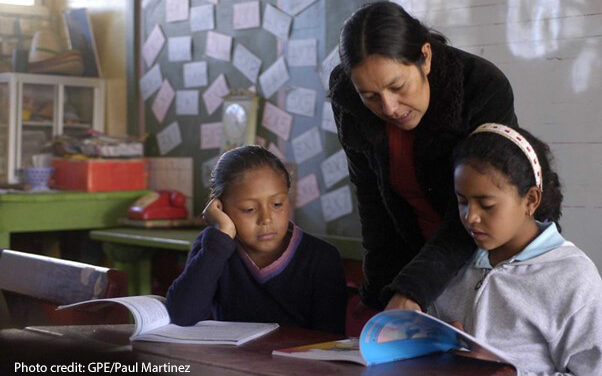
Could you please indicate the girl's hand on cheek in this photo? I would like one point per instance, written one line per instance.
(214, 215)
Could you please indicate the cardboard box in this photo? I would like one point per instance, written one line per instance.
(100, 175)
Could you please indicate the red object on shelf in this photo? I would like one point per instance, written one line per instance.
(100, 175)
(163, 204)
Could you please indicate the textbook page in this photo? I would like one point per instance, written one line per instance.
(344, 350)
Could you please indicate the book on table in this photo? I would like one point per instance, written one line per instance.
(395, 335)
(152, 323)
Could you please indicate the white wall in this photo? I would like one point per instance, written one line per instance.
(551, 51)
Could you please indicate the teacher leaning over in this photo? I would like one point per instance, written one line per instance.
(402, 100)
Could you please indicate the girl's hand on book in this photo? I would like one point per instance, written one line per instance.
(399, 301)
(214, 215)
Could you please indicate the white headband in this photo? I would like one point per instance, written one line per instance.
(520, 141)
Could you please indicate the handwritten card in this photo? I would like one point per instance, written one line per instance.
(163, 101)
(328, 123)
(195, 74)
(176, 10)
(214, 95)
(246, 62)
(272, 148)
(334, 168)
(307, 145)
(273, 77)
(206, 169)
(245, 15)
(293, 7)
(153, 45)
(332, 60)
(211, 136)
(336, 204)
(277, 121)
(307, 190)
(169, 138)
(179, 48)
(151, 82)
(276, 22)
(218, 46)
(187, 102)
(302, 52)
(301, 101)
(202, 18)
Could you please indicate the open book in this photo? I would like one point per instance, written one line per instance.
(153, 324)
(395, 335)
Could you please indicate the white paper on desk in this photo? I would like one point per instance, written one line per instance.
(214, 95)
(272, 148)
(153, 45)
(276, 22)
(246, 62)
(151, 82)
(277, 120)
(176, 10)
(307, 145)
(332, 60)
(336, 204)
(218, 45)
(301, 101)
(169, 138)
(179, 48)
(211, 135)
(293, 7)
(163, 101)
(273, 77)
(202, 18)
(328, 123)
(206, 169)
(195, 74)
(246, 15)
(307, 190)
(187, 102)
(302, 52)
(334, 168)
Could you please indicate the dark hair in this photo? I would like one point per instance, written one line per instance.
(484, 150)
(233, 163)
(384, 28)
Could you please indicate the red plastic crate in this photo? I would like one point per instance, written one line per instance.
(100, 175)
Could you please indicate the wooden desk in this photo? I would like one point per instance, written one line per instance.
(62, 210)
(109, 343)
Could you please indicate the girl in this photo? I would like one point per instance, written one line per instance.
(527, 291)
(251, 263)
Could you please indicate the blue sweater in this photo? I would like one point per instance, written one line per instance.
(308, 292)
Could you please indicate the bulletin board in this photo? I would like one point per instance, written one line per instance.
(325, 200)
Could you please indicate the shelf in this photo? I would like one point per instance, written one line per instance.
(81, 125)
(37, 123)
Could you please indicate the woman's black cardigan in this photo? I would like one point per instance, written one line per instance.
(465, 92)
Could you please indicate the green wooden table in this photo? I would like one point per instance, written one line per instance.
(61, 210)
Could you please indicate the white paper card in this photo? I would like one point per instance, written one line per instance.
(245, 15)
(187, 102)
(307, 190)
(307, 145)
(272, 148)
(169, 138)
(334, 168)
(332, 60)
(195, 74)
(218, 45)
(336, 204)
(153, 45)
(302, 52)
(202, 18)
(176, 10)
(328, 123)
(179, 48)
(213, 96)
(276, 22)
(274, 77)
(246, 62)
(211, 135)
(277, 120)
(163, 101)
(206, 169)
(151, 82)
(301, 101)
(293, 7)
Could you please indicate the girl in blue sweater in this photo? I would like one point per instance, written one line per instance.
(251, 263)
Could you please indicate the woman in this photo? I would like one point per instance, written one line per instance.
(402, 100)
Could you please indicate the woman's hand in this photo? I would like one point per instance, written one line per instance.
(399, 301)
(214, 215)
